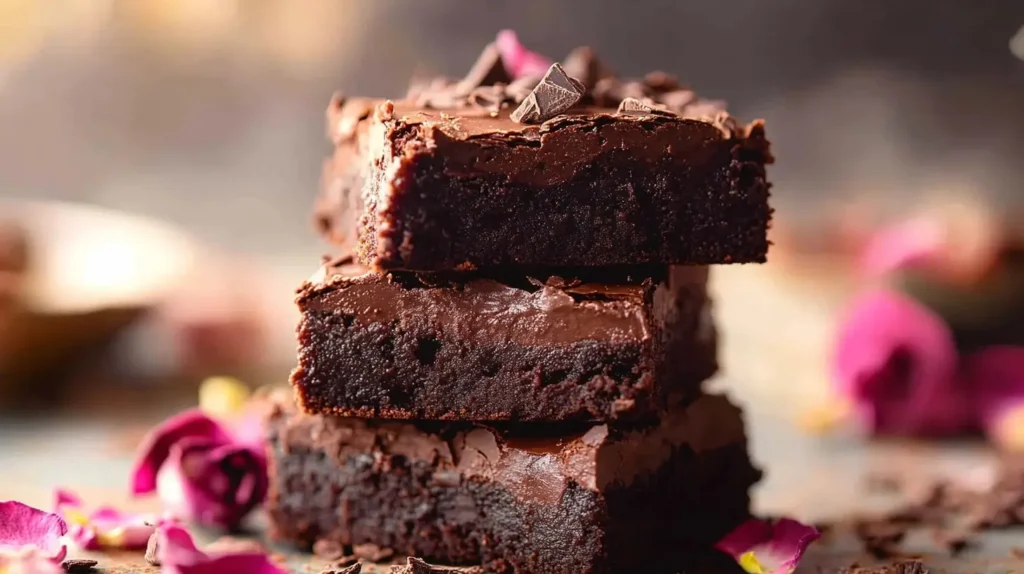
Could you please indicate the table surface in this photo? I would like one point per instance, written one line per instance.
(776, 340)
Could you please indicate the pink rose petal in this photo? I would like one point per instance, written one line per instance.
(996, 377)
(23, 527)
(178, 554)
(157, 445)
(914, 243)
(213, 484)
(761, 546)
(28, 561)
(520, 62)
(104, 527)
(896, 362)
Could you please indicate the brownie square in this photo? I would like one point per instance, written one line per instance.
(426, 189)
(586, 344)
(514, 498)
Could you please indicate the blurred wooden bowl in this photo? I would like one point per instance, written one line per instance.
(91, 273)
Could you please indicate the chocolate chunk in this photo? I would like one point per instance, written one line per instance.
(79, 566)
(372, 552)
(356, 568)
(583, 64)
(644, 106)
(487, 71)
(556, 93)
(152, 550)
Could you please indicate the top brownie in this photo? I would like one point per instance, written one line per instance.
(578, 168)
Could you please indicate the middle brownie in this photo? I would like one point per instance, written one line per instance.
(585, 344)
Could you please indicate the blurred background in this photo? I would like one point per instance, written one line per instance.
(206, 118)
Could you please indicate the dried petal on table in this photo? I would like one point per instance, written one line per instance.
(103, 528)
(766, 547)
(26, 531)
(896, 362)
(28, 561)
(201, 471)
(996, 377)
(177, 554)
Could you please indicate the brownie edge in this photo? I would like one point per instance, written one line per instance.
(601, 499)
(400, 347)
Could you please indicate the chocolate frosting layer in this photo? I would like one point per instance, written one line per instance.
(552, 313)
(534, 468)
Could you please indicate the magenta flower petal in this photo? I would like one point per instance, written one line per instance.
(996, 376)
(29, 561)
(913, 243)
(762, 547)
(896, 362)
(520, 62)
(156, 447)
(104, 527)
(211, 483)
(23, 527)
(178, 554)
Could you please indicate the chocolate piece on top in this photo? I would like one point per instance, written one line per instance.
(555, 94)
(487, 71)
(583, 64)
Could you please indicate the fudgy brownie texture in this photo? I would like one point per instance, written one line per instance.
(445, 179)
(515, 498)
(485, 347)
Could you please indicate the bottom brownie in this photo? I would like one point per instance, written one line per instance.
(512, 498)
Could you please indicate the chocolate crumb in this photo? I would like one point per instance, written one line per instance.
(900, 567)
(356, 568)
(385, 111)
(328, 549)
(79, 566)
(151, 555)
(883, 483)
(557, 92)
(372, 552)
(954, 542)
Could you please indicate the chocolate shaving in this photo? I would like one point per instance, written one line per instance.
(632, 106)
(356, 568)
(418, 566)
(79, 566)
(556, 93)
(487, 71)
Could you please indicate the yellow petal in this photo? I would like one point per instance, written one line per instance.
(223, 397)
(749, 563)
(112, 539)
(824, 418)
(1008, 430)
(75, 517)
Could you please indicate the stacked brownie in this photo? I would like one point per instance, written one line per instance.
(507, 369)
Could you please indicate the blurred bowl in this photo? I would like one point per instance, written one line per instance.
(92, 272)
